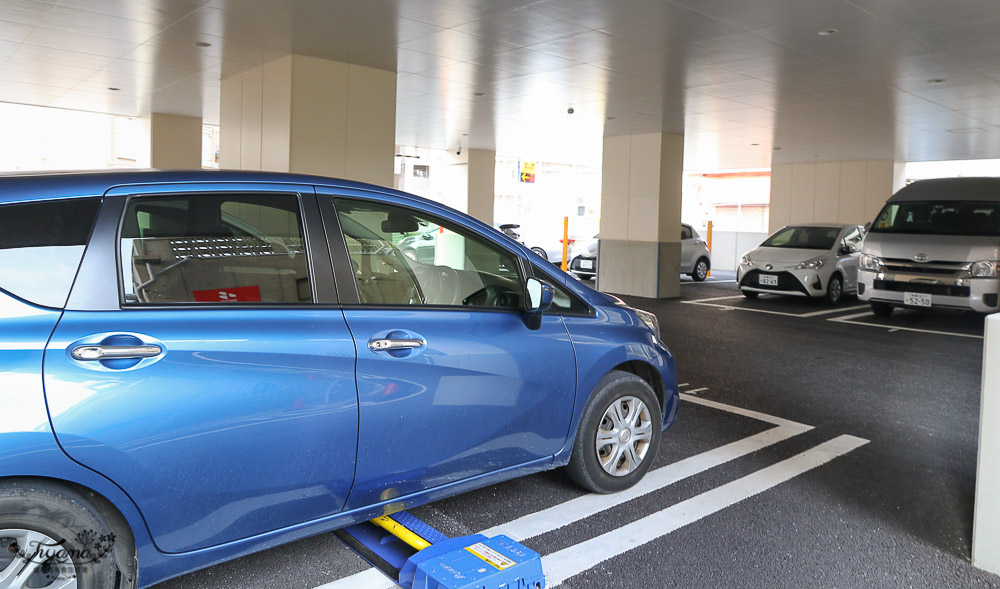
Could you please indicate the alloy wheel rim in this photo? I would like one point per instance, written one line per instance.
(702, 270)
(30, 556)
(623, 436)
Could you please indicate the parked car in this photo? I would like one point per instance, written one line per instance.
(936, 243)
(236, 360)
(817, 260)
(696, 260)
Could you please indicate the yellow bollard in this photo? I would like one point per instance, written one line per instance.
(565, 242)
(709, 240)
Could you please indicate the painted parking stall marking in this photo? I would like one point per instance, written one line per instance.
(578, 558)
(852, 320)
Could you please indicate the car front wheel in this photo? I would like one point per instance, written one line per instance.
(51, 538)
(619, 434)
(834, 290)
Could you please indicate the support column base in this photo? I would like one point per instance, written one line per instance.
(640, 268)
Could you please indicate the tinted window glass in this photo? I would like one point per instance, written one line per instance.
(41, 245)
(853, 239)
(685, 232)
(940, 218)
(401, 257)
(219, 248)
(563, 301)
(812, 238)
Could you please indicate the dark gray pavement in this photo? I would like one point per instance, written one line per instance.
(895, 512)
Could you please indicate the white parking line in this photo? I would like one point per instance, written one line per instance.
(892, 328)
(695, 391)
(835, 310)
(578, 558)
(713, 299)
(563, 514)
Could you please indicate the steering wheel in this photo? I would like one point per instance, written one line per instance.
(492, 293)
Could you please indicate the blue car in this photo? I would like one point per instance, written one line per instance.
(195, 366)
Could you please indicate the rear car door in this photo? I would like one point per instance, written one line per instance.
(203, 364)
(688, 250)
(452, 384)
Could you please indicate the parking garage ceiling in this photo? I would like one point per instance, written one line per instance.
(749, 83)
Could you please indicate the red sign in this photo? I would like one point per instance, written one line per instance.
(240, 294)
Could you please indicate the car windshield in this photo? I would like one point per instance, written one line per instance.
(940, 218)
(809, 238)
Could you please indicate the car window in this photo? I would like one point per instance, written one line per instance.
(685, 232)
(41, 245)
(403, 257)
(816, 238)
(853, 239)
(563, 301)
(214, 248)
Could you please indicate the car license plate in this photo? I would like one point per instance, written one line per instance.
(767, 280)
(916, 299)
(587, 264)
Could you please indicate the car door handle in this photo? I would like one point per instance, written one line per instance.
(99, 352)
(387, 344)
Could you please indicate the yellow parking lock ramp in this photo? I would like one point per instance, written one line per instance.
(402, 532)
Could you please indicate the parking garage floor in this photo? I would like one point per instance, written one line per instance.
(816, 446)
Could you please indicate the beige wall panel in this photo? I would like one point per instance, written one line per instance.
(371, 125)
(781, 197)
(482, 184)
(878, 187)
(230, 122)
(644, 187)
(827, 198)
(319, 117)
(802, 206)
(614, 187)
(175, 142)
(250, 118)
(276, 105)
(853, 178)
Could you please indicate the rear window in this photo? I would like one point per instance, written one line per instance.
(41, 245)
(940, 218)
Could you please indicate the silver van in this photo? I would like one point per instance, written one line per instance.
(936, 243)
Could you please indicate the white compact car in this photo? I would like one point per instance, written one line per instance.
(696, 259)
(816, 260)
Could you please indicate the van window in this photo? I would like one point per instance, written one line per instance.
(41, 245)
(972, 218)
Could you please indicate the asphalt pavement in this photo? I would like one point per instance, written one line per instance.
(815, 446)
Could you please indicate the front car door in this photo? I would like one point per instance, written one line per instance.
(851, 238)
(688, 250)
(224, 402)
(452, 384)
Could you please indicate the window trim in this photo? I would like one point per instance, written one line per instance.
(342, 265)
(299, 196)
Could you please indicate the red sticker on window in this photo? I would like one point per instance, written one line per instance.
(240, 294)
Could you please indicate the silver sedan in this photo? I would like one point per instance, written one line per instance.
(814, 260)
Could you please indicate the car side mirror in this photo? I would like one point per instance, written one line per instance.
(845, 250)
(538, 296)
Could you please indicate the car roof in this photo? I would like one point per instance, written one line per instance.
(826, 225)
(26, 187)
(950, 189)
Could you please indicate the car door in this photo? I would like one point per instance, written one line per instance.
(851, 238)
(688, 250)
(452, 384)
(203, 364)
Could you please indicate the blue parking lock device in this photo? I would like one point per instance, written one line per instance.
(474, 562)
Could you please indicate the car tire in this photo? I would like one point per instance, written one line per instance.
(750, 294)
(834, 290)
(41, 514)
(541, 252)
(881, 309)
(701, 268)
(604, 461)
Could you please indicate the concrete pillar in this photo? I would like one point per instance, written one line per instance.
(986, 516)
(482, 181)
(831, 192)
(640, 250)
(308, 115)
(174, 142)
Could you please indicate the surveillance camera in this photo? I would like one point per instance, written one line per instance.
(459, 150)
(570, 110)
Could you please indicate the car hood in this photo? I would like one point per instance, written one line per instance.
(937, 248)
(784, 255)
